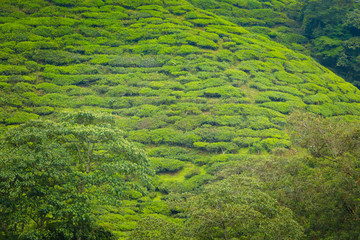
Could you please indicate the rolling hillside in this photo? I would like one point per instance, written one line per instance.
(190, 87)
(325, 30)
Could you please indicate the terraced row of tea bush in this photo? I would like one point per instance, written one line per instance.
(325, 30)
(276, 20)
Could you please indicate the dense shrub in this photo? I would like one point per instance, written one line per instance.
(43, 110)
(164, 135)
(317, 99)
(165, 165)
(202, 42)
(58, 57)
(225, 92)
(191, 184)
(285, 107)
(13, 70)
(20, 117)
(246, 141)
(216, 134)
(222, 147)
(142, 136)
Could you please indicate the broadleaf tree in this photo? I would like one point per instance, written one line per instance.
(236, 208)
(51, 171)
(233, 208)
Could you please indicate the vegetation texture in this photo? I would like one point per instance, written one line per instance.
(202, 87)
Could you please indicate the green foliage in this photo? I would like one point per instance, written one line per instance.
(202, 42)
(67, 162)
(193, 89)
(273, 143)
(216, 134)
(163, 165)
(332, 145)
(13, 70)
(74, 69)
(184, 50)
(164, 135)
(317, 28)
(235, 208)
(221, 147)
(323, 137)
(43, 110)
(327, 49)
(192, 173)
(58, 57)
(259, 123)
(65, 3)
(246, 141)
(275, 96)
(155, 227)
(225, 92)
(317, 99)
(20, 117)
(192, 184)
(284, 107)
(170, 152)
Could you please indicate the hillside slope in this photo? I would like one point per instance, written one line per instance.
(190, 87)
(160, 55)
(325, 30)
(276, 20)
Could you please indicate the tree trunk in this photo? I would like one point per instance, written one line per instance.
(225, 232)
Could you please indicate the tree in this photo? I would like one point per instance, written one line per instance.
(324, 137)
(236, 208)
(321, 17)
(103, 158)
(353, 21)
(50, 171)
(322, 186)
(37, 190)
(333, 28)
(317, 178)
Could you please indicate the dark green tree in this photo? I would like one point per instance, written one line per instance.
(323, 18)
(330, 138)
(51, 171)
(321, 187)
(234, 208)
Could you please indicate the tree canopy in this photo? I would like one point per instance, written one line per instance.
(234, 208)
(51, 171)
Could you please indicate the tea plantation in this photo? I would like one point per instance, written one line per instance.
(194, 89)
